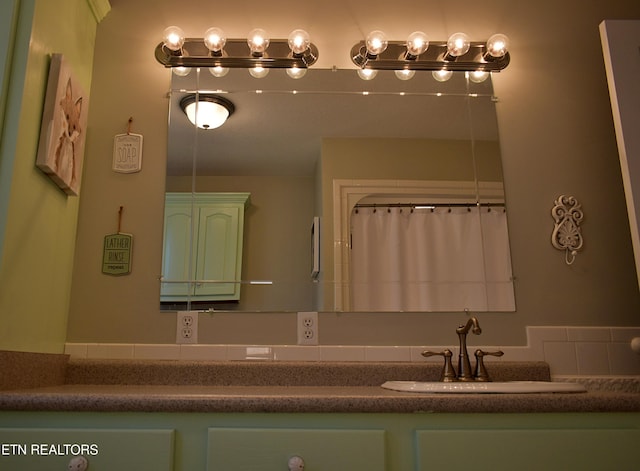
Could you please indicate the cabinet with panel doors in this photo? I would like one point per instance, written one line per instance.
(202, 251)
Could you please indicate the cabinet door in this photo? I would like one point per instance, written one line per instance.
(266, 449)
(219, 252)
(105, 449)
(176, 265)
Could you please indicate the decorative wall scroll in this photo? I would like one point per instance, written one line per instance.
(567, 213)
(63, 129)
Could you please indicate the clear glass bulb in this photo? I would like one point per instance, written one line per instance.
(181, 71)
(218, 71)
(215, 39)
(258, 72)
(173, 38)
(478, 76)
(299, 41)
(417, 43)
(405, 74)
(258, 41)
(442, 75)
(498, 45)
(296, 72)
(367, 74)
(376, 43)
(458, 44)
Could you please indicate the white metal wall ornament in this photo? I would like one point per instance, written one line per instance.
(567, 213)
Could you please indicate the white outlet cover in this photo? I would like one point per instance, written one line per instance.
(187, 327)
(307, 328)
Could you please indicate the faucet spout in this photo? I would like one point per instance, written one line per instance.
(464, 329)
(464, 365)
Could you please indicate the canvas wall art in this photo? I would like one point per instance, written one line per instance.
(64, 127)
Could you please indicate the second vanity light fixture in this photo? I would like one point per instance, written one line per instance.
(458, 53)
(258, 53)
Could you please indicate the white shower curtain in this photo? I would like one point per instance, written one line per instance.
(448, 259)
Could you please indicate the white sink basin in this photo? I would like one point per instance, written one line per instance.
(508, 387)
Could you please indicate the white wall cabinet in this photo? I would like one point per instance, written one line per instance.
(202, 253)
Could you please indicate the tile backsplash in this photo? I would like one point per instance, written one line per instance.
(569, 350)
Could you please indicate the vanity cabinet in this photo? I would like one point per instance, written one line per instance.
(203, 235)
(419, 441)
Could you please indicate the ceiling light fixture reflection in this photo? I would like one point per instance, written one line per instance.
(218, 71)
(367, 74)
(207, 111)
(405, 74)
(478, 76)
(296, 72)
(442, 75)
(258, 71)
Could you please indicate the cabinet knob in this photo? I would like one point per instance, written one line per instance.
(296, 463)
(78, 463)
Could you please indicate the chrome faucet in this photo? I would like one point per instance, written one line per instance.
(464, 365)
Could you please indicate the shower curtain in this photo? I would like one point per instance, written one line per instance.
(445, 259)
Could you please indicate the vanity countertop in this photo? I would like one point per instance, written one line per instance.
(297, 399)
(287, 387)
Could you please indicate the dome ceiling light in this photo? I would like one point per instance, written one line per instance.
(207, 111)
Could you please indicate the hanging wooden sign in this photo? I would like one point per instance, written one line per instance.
(117, 251)
(127, 152)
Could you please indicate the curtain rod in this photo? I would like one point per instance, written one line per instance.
(428, 205)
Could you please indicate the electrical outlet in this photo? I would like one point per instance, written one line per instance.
(187, 327)
(307, 328)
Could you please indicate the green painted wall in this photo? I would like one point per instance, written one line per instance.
(39, 219)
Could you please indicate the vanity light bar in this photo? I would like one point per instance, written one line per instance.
(435, 58)
(236, 53)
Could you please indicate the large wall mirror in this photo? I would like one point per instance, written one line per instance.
(315, 163)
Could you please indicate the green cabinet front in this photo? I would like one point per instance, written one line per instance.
(202, 255)
(270, 449)
(28, 449)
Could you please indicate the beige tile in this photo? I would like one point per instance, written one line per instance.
(592, 358)
(561, 357)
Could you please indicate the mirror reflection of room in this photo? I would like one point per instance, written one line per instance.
(287, 143)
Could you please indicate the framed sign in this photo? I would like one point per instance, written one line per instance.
(116, 257)
(127, 153)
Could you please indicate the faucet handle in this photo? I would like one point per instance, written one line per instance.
(448, 373)
(481, 372)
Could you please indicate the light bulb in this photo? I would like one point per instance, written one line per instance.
(478, 76)
(298, 41)
(417, 43)
(376, 43)
(219, 71)
(258, 41)
(214, 39)
(367, 74)
(497, 45)
(173, 38)
(405, 74)
(442, 75)
(258, 72)
(296, 72)
(181, 71)
(458, 44)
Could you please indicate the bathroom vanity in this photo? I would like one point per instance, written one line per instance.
(255, 416)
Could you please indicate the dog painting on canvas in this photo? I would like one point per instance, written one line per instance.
(60, 152)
